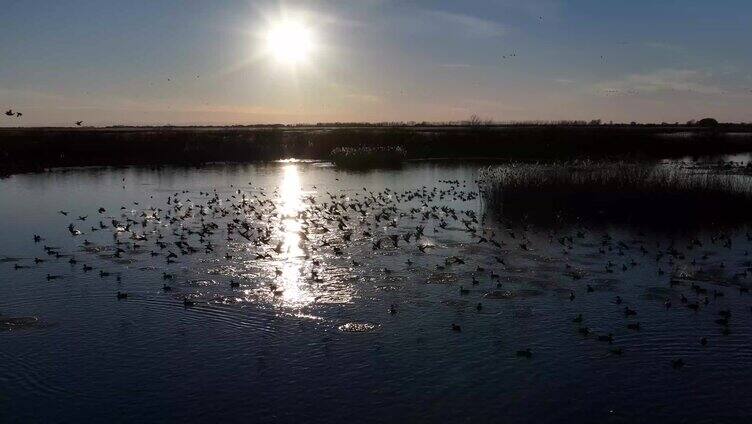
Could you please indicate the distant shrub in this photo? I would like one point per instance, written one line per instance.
(707, 122)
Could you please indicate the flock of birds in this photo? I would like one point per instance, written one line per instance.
(11, 113)
(333, 225)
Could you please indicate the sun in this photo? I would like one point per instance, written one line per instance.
(290, 41)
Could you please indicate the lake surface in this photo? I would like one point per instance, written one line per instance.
(332, 322)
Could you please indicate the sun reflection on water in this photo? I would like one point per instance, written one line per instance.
(293, 288)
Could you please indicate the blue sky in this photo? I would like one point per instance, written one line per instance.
(108, 62)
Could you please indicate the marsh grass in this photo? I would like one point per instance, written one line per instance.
(368, 157)
(616, 191)
(33, 149)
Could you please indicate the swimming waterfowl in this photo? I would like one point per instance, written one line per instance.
(195, 226)
(722, 321)
(527, 353)
(606, 338)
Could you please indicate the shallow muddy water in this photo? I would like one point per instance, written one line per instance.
(302, 293)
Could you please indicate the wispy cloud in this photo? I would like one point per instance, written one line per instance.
(547, 9)
(662, 80)
(659, 45)
(466, 24)
(455, 65)
(363, 97)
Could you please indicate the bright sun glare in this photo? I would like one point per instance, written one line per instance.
(290, 41)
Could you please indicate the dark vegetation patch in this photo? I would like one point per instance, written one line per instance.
(368, 157)
(40, 148)
(616, 191)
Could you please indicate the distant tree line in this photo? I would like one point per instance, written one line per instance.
(473, 121)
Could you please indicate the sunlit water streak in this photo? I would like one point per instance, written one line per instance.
(295, 293)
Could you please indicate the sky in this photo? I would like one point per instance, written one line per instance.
(150, 62)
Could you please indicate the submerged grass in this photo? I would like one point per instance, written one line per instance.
(616, 191)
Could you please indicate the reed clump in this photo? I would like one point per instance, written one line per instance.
(614, 190)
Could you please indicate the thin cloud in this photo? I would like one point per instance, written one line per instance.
(663, 80)
(455, 65)
(658, 45)
(466, 24)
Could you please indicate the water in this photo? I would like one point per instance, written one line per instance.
(291, 346)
